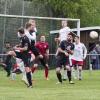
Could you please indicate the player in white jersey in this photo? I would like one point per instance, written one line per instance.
(31, 21)
(79, 55)
(63, 32)
(32, 33)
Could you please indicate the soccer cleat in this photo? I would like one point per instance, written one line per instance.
(80, 79)
(30, 86)
(71, 82)
(47, 79)
(59, 83)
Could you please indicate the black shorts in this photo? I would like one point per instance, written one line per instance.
(35, 51)
(62, 61)
(25, 58)
(45, 59)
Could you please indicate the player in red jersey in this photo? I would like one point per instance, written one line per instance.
(43, 48)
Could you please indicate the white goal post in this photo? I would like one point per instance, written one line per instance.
(45, 18)
(37, 18)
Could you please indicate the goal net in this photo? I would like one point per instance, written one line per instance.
(10, 23)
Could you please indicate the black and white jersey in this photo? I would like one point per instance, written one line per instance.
(31, 36)
(24, 41)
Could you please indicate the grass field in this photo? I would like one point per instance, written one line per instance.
(87, 89)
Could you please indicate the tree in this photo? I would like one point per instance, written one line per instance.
(86, 10)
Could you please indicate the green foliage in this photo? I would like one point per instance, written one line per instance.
(86, 10)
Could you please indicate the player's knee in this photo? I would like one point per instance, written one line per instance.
(47, 66)
(80, 68)
(57, 70)
(68, 68)
(27, 69)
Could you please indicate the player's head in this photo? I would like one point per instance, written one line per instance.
(77, 39)
(21, 32)
(42, 38)
(32, 21)
(64, 23)
(69, 37)
(7, 45)
(29, 27)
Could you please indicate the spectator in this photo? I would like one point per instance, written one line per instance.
(93, 58)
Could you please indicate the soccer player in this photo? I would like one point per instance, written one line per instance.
(33, 49)
(33, 32)
(79, 55)
(64, 31)
(43, 48)
(18, 68)
(24, 53)
(7, 64)
(33, 22)
(64, 50)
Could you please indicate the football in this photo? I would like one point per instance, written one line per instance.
(93, 34)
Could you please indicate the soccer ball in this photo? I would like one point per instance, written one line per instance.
(93, 34)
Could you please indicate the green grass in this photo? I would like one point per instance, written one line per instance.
(87, 89)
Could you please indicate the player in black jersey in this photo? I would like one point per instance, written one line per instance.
(64, 50)
(32, 37)
(22, 51)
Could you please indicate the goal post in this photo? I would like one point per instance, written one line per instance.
(39, 18)
(45, 18)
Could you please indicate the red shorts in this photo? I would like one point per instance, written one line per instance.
(75, 62)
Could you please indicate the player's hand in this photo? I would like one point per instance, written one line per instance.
(47, 56)
(66, 53)
(14, 47)
(17, 46)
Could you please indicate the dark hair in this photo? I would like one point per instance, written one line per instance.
(70, 34)
(77, 36)
(27, 25)
(21, 30)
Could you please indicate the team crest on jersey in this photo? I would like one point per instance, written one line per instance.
(79, 47)
(68, 47)
(44, 46)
